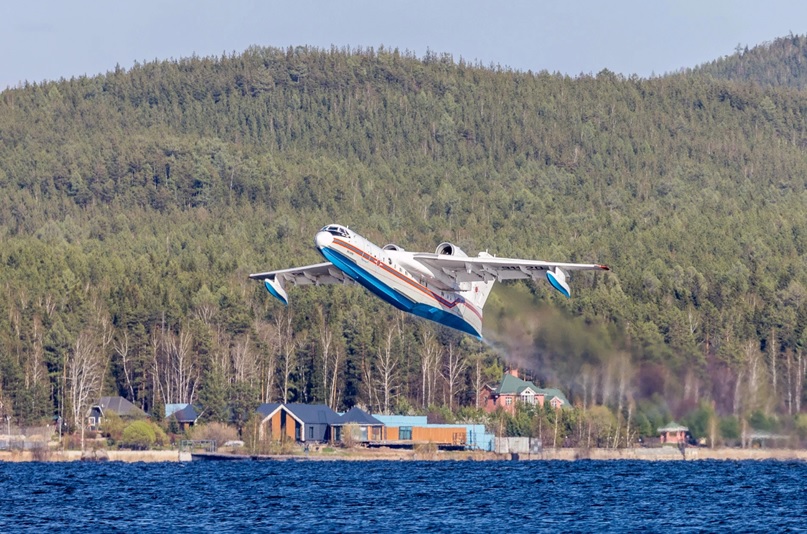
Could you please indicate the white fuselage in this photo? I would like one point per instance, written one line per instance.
(397, 278)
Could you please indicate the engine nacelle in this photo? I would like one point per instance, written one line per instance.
(557, 279)
(450, 249)
(393, 246)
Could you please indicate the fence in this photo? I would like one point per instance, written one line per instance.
(190, 445)
(518, 445)
(24, 438)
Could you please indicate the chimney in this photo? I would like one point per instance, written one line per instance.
(513, 372)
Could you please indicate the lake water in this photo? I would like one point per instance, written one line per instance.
(534, 496)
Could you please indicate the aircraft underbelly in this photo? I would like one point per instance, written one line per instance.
(408, 297)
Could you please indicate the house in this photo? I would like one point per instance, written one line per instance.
(318, 423)
(368, 428)
(406, 430)
(300, 422)
(512, 390)
(117, 405)
(184, 414)
(673, 433)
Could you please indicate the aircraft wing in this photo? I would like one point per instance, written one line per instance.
(318, 274)
(486, 268)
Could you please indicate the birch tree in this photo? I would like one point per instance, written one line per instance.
(288, 346)
(175, 369)
(455, 365)
(334, 394)
(625, 374)
(269, 338)
(84, 374)
(477, 378)
(245, 361)
(429, 360)
(329, 360)
(388, 361)
(121, 346)
(368, 378)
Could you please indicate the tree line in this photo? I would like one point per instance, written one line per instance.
(136, 202)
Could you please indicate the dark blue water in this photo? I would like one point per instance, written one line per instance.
(535, 496)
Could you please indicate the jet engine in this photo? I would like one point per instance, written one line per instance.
(450, 249)
(393, 246)
(557, 279)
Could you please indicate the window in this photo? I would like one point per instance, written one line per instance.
(508, 401)
(310, 432)
(405, 433)
(336, 230)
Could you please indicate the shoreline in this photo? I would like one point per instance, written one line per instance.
(645, 454)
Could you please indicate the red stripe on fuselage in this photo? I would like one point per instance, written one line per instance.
(425, 290)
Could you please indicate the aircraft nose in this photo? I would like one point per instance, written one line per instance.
(323, 239)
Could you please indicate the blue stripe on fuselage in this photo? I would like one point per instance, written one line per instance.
(397, 299)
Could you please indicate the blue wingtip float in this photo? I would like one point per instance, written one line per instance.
(557, 279)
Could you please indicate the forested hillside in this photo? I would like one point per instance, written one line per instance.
(780, 63)
(134, 205)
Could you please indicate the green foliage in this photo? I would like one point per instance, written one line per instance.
(160, 437)
(759, 421)
(243, 403)
(139, 435)
(699, 420)
(519, 424)
(142, 199)
(601, 425)
(730, 428)
(800, 425)
(441, 415)
(773, 64)
(113, 427)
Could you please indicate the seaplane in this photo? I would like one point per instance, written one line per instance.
(447, 286)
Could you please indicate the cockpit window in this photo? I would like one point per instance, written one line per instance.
(336, 230)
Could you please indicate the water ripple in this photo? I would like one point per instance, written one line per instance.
(404, 496)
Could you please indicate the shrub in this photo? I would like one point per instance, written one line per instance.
(800, 425)
(251, 431)
(160, 437)
(112, 427)
(730, 428)
(351, 435)
(760, 421)
(139, 435)
(425, 451)
(218, 432)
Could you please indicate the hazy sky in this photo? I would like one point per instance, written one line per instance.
(52, 39)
